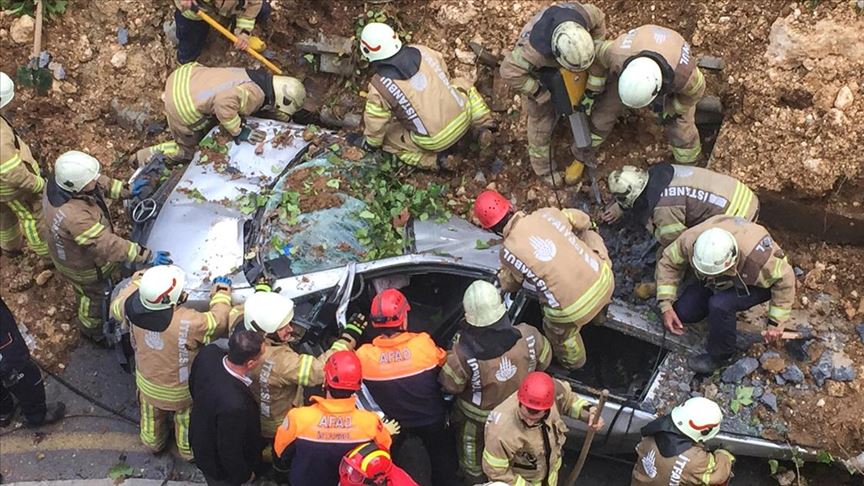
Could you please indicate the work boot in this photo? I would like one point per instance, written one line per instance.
(705, 364)
(54, 411)
(6, 417)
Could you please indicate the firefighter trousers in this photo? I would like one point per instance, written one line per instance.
(186, 138)
(397, 140)
(681, 131)
(91, 304)
(566, 340)
(154, 427)
(23, 214)
(469, 445)
(541, 123)
(19, 376)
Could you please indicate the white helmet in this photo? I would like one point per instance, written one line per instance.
(161, 287)
(627, 183)
(482, 304)
(640, 82)
(378, 41)
(714, 252)
(7, 89)
(698, 418)
(73, 170)
(290, 94)
(267, 312)
(572, 46)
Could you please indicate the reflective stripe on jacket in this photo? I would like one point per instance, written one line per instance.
(20, 175)
(693, 467)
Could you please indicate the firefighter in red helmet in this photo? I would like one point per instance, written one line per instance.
(561, 254)
(311, 441)
(525, 434)
(368, 464)
(400, 369)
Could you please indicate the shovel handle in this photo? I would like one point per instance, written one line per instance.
(586, 444)
(37, 37)
(233, 38)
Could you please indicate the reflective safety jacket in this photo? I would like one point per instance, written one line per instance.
(761, 263)
(693, 196)
(693, 467)
(316, 437)
(482, 384)
(401, 373)
(520, 455)
(20, 175)
(533, 49)
(433, 109)
(195, 93)
(682, 79)
(563, 258)
(163, 360)
(244, 11)
(81, 238)
(277, 383)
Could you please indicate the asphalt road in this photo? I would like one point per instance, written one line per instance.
(91, 441)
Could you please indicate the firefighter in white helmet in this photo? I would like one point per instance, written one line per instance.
(559, 36)
(673, 448)
(81, 239)
(21, 185)
(198, 97)
(738, 265)
(414, 110)
(278, 381)
(489, 359)
(669, 198)
(166, 336)
(649, 65)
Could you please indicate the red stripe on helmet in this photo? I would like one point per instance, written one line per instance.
(162, 296)
(372, 49)
(703, 427)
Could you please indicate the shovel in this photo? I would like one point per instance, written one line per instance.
(586, 444)
(228, 35)
(32, 74)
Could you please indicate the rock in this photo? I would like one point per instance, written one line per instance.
(44, 277)
(332, 44)
(768, 355)
(779, 380)
(497, 166)
(769, 400)
(22, 29)
(710, 391)
(793, 374)
(140, 118)
(711, 62)
(821, 371)
(65, 327)
(683, 387)
(118, 60)
(741, 368)
(465, 57)
(786, 478)
(836, 389)
(844, 98)
(820, 403)
(480, 177)
(122, 36)
(334, 64)
(860, 330)
(758, 391)
(169, 27)
(531, 195)
(57, 69)
(460, 13)
(791, 45)
(774, 364)
(842, 367)
(51, 311)
(86, 54)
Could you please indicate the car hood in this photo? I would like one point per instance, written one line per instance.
(201, 222)
(457, 238)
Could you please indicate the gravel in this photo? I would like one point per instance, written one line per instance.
(769, 400)
(792, 373)
(741, 368)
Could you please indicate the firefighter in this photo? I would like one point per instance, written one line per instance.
(489, 359)
(563, 257)
(526, 433)
(649, 65)
(277, 383)
(672, 449)
(197, 97)
(21, 381)
(559, 36)
(166, 336)
(21, 185)
(311, 440)
(192, 31)
(368, 464)
(669, 198)
(738, 265)
(414, 110)
(81, 239)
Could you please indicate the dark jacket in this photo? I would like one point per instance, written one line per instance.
(225, 426)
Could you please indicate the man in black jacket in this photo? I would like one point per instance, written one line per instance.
(20, 378)
(225, 426)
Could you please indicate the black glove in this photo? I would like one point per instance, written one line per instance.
(355, 327)
(359, 141)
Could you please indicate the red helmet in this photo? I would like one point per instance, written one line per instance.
(342, 371)
(389, 309)
(537, 391)
(366, 464)
(490, 208)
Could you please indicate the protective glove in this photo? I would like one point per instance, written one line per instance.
(250, 135)
(587, 102)
(138, 186)
(160, 257)
(264, 284)
(392, 425)
(222, 280)
(355, 328)
(359, 141)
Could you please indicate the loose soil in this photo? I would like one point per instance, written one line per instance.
(781, 132)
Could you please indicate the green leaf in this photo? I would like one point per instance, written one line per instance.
(824, 457)
(120, 471)
(744, 394)
(275, 169)
(366, 214)
(773, 465)
(310, 58)
(482, 245)
(334, 183)
(735, 406)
